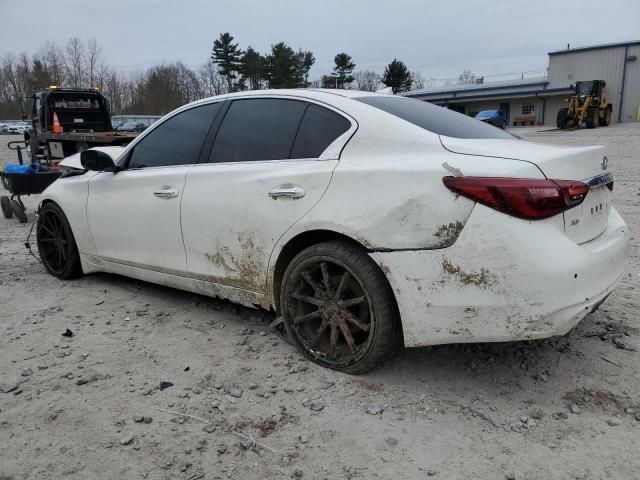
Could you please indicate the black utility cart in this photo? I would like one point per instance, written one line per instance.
(34, 180)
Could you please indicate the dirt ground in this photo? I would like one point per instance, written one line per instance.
(563, 408)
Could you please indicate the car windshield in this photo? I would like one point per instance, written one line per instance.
(486, 113)
(433, 118)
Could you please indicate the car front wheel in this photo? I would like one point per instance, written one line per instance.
(56, 245)
(338, 307)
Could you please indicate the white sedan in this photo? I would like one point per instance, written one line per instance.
(367, 221)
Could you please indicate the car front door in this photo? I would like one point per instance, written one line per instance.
(134, 214)
(270, 163)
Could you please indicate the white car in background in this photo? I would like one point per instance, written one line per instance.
(15, 130)
(365, 220)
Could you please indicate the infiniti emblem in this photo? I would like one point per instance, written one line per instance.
(605, 163)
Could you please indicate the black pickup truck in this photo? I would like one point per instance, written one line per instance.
(69, 120)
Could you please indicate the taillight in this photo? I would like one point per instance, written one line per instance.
(527, 198)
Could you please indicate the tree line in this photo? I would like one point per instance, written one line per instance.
(161, 88)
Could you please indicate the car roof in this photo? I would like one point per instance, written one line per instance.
(311, 93)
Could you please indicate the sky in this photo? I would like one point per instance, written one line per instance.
(439, 39)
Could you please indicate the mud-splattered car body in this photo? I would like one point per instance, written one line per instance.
(460, 271)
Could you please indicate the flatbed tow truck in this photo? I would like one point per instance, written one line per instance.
(67, 121)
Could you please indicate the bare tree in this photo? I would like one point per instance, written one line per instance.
(418, 81)
(74, 60)
(92, 59)
(10, 77)
(212, 82)
(53, 59)
(367, 81)
(466, 77)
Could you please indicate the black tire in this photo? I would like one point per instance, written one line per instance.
(5, 203)
(56, 245)
(606, 121)
(504, 125)
(593, 117)
(570, 122)
(18, 211)
(560, 119)
(352, 338)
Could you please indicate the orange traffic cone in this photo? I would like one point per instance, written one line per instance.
(56, 128)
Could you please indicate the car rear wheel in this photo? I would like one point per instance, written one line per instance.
(56, 245)
(338, 307)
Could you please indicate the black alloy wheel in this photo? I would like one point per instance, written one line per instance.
(56, 244)
(338, 307)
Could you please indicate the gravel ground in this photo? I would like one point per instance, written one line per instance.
(563, 408)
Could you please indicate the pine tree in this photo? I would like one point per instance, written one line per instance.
(343, 70)
(397, 76)
(40, 77)
(252, 68)
(328, 81)
(304, 62)
(282, 67)
(226, 55)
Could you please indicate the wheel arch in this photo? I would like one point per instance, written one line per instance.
(44, 202)
(298, 243)
(75, 213)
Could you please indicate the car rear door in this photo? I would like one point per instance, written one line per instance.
(134, 214)
(270, 163)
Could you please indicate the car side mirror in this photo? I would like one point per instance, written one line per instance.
(97, 161)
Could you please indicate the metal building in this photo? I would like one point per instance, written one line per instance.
(537, 100)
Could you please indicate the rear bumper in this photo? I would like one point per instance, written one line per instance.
(504, 279)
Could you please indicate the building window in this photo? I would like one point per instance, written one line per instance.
(528, 109)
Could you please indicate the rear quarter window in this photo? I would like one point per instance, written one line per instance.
(439, 120)
(318, 129)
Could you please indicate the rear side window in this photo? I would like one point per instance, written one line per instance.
(439, 120)
(318, 129)
(177, 141)
(257, 129)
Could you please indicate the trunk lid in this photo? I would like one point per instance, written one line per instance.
(586, 164)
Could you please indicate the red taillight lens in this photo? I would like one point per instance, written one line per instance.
(527, 198)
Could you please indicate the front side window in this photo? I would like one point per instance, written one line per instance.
(257, 129)
(177, 141)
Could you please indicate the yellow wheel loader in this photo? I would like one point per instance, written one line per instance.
(588, 105)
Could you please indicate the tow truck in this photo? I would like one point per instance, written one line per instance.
(67, 121)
